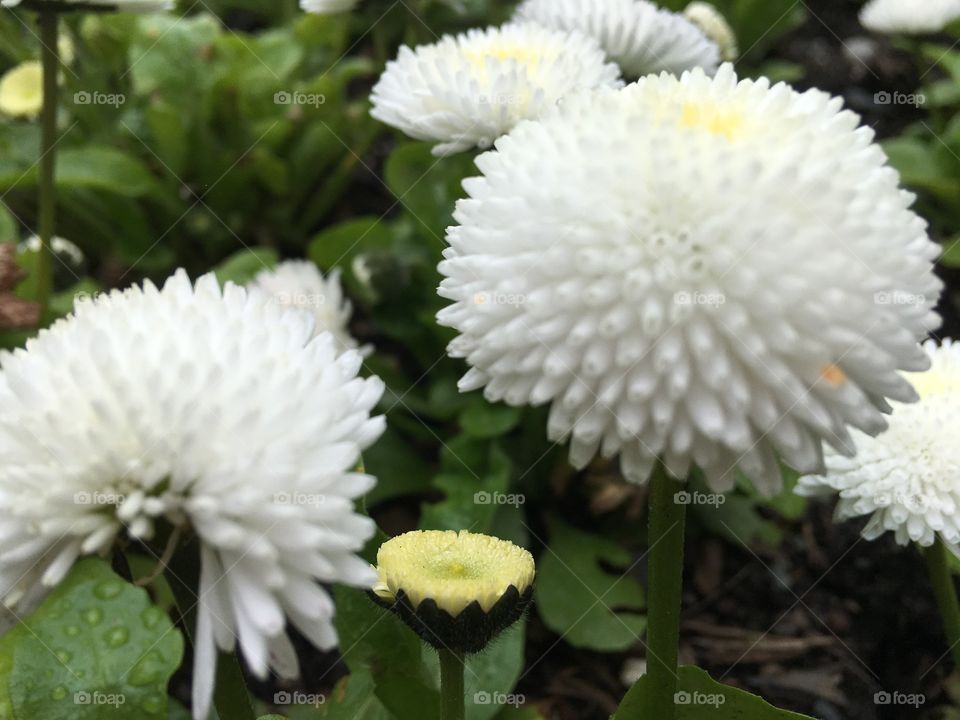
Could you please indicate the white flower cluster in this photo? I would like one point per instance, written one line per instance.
(468, 90)
(328, 7)
(192, 406)
(909, 17)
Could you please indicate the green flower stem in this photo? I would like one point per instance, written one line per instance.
(49, 37)
(451, 685)
(230, 696)
(665, 586)
(946, 594)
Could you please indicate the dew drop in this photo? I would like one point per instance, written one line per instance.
(108, 589)
(153, 705)
(151, 616)
(93, 616)
(64, 656)
(59, 693)
(147, 671)
(72, 630)
(117, 636)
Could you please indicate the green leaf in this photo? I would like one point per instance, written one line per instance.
(338, 245)
(483, 419)
(699, 697)
(8, 225)
(104, 168)
(923, 165)
(95, 648)
(427, 187)
(354, 699)
(243, 266)
(475, 489)
(579, 600)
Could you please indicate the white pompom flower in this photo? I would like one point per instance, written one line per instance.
(133, 6)
(21, 90)
(468, 90)
(692, 270)
(641, 37)
(300, 284)
(909, 17)
(328, 7)
(907, 479)
(205, 409)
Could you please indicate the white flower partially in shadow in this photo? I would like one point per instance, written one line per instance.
(210, 410)
(909, 17)
(468, 90)
(328, 7)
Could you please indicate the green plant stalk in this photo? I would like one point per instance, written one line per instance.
(451, 685)
(666, 532)
(49, 38)
(946, 595)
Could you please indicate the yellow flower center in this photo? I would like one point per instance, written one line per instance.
(502, 53)
(719, 121)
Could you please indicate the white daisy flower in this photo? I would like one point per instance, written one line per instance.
(200, 408)
(134, 6)
(692, 269)
(641, 37)
(328, 7)
(715, 26)
(468, 90)
(911, 17)
(21, 90)
(906, 479)
(300, 284)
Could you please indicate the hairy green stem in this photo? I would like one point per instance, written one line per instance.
(451, 685)
(49, 37)
(665, 586)
(946, 594)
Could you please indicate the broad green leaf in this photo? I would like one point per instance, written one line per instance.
(580, 600)
(483, 419)
(699, 697)
(104, 168)
(338, 245)
(243, 265)
(951, 253)
(922, 165)
(399, 466)
(354, 698)
(427, 187)
(95, 648)
(473, 492)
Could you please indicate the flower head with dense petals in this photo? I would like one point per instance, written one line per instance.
(910, 17)
(300, 284)
(21, 90)
(694, 270)
(134, 6)
(715, 26)
(197, 407)
(907, 479)
(468, 90)
(641, 37)
(328, 7)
